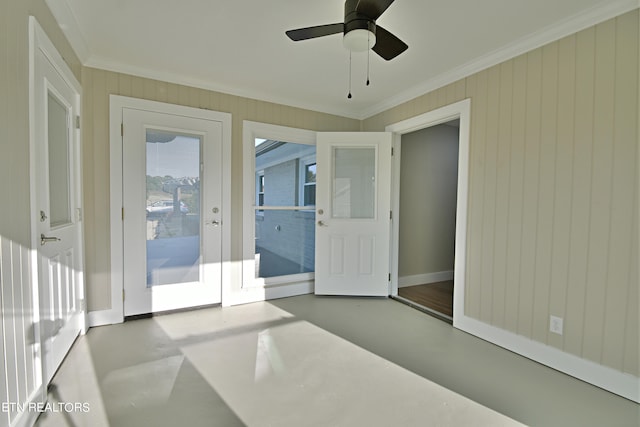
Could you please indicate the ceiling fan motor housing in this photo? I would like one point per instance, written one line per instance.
(359, 29)
(354, 20)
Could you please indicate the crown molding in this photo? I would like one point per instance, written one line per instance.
(605, 10)
(69, 25)
(119, 67)
(571, 25)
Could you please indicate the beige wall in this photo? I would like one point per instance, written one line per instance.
(16, 345)
(14, 106)
(553, 205)
(553, 191)
(428, 178)
(97, 86)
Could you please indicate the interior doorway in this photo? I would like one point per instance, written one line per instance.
(427, 218)
(437, 258)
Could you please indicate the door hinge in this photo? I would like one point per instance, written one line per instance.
(390, 214)
(392, 151)
(123, 295)
(389, 276)
(77, 122)
(121, 129)
(122, 213)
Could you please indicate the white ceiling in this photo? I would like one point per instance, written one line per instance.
(239, 47)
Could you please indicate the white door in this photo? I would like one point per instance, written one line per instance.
(353, 213)
(172, 195)
(57, 212)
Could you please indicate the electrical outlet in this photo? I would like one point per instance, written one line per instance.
(555, 325)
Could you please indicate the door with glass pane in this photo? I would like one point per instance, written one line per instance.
(172, 175)
(57, 213)
(353, 213)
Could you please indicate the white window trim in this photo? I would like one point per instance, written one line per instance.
(258, 289)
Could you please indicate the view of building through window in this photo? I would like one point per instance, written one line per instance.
(285, 177)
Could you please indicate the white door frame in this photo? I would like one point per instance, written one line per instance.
(40, 42)
(461, 110)
(142, 296)
(116, 104)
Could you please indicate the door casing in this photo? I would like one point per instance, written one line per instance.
(117, 103)
(459, 110)
(140, 298)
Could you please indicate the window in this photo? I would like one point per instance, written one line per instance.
(284, 233)
(309, 184)
(279, 224)
(260, 190)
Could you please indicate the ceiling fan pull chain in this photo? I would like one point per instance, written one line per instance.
(349, 95)
(368, 56)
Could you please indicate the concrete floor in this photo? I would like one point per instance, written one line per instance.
(315, 361)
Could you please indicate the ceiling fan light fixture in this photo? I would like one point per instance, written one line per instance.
(359, 40)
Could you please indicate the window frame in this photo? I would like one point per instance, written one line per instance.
(302, 180)
(300, 283)
(259, 182)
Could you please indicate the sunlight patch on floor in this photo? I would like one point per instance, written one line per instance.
(294, 373)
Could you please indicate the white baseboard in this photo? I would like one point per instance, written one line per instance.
(104, 317)
(421, 279)
(617, 382)
(289, 290)
(267, 292)
(245, 296)
(28, 417)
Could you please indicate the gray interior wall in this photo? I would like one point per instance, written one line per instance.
(428, 184)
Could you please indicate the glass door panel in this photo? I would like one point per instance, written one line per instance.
(173, 224)
(58, 151)
(354, 183)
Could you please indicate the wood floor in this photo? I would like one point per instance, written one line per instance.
(436, 296)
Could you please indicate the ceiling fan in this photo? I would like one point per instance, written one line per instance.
(359, 28)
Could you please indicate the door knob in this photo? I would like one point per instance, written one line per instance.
(322, 224)
(44, 239)
(215, 223)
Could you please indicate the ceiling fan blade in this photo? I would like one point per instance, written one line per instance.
(373, 8)
(387, 45)
(313, 32)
